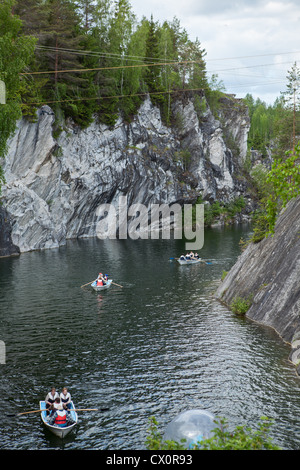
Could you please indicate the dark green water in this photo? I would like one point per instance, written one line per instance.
(158, 346)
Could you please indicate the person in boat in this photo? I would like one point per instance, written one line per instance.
(60, 417)
(50, 398)
(187, 256)
(65, 398)
(100, 280)
(182, 257)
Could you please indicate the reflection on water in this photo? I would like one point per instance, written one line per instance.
(158, 345)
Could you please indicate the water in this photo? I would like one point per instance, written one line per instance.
(157, 346)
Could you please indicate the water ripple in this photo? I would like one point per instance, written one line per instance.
(157, 346)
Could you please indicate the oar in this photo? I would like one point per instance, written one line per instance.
(116, 284)
(90, 409)
(88, 283)
(71, 409)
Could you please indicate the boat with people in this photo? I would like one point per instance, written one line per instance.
(188, 261)
(102, 282)
(60, 430)
(189, 258)
(98, 286)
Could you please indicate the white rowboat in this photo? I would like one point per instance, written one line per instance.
(106, 286)
(57, 430)
(189, 261)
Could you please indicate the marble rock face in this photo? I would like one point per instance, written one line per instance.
(55, 186)
(268, 273)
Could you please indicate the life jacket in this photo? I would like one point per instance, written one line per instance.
(61, 418)
(99, 283)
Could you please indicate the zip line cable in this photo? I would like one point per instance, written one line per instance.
(115, 96)
(110, 54)
(113, 67)
(183, 62)
(164, 63)
(132, 95)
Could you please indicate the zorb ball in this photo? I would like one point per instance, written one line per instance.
(191, 425)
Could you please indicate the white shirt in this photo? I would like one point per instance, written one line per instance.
(65, 398)
(51, 397)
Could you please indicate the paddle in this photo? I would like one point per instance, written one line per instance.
(88, 283)
(116, 284)
(72, 409)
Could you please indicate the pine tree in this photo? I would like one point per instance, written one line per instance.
(16, 51)
(152, 75)
(63, 44)
(292, 96)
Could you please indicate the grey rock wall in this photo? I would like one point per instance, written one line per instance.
(270, 273)
(7, 248)
(54, 186)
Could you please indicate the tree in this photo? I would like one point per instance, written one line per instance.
(87, 7)
(241, 438)
(16, 52)
(64, 42)
(285, 180)
(292, 96)
(152, 73)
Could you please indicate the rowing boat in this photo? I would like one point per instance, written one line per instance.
(188, 261)
(106, 286)
(55, 429)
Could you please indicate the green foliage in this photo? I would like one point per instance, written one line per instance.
(235, 206)
(224, 274)
(285, 180)
(240, 305)
(241, 438)
(211, 212)
(184, 156)
(276, 125)
(93, 58)
(274, 190)
(260, 225)
(154, 439)
(228, 211)
(215, 90)
(16, 51)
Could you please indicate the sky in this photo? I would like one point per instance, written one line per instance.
(250, 44)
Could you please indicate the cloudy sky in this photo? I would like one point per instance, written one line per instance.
(250, 44)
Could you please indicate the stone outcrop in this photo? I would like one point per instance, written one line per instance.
(7, 248)
(269, 274)
(55, 185)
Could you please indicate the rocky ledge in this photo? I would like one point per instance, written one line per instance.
(56, 181)
(268, 275)
(7, 248)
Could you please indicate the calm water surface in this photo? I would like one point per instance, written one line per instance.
(158, 346)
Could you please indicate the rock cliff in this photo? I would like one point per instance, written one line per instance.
(54, 185)
(7, 248)
(269, 274)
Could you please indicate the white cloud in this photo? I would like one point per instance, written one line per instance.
(257, 33)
